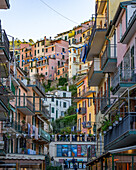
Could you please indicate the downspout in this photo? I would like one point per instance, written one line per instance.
(109, 53)
(126, 12)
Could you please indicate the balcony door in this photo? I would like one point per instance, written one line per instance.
(126, 72)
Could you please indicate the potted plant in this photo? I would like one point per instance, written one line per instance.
(23, 122)
(110, 125)
(116, 119)
(23, 150)
(23, 125)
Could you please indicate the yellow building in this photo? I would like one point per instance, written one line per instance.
(85, 107)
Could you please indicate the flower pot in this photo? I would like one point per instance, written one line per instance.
(116, 122)
(110, 127)
(104, 132)
(120, 118)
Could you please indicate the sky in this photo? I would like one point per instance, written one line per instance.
(32, 19)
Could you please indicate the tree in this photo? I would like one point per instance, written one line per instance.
(31, 41)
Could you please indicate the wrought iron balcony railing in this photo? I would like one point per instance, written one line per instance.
(123, 76)
(4, 43)
(109, 53)
(127, 124)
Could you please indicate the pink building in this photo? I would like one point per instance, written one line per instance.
(56, 54)
(125, 22)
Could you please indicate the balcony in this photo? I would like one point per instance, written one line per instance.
(82, 110)
(109, 59)
(104, 103)
(41, 65)
(44, 113)
(4, 4)
(4, 46)
(97, 37)
(123, 134)
(124, 78)
(44, 136)
(25, 106)
(95, 75)
(72, 138)
(4, 101)
(130, 30)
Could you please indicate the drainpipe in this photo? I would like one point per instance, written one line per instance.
(126, 12)
(109, 53)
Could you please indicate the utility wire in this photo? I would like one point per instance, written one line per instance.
(58, 12)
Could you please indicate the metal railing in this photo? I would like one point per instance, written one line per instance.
(72, 138)
(98, 23)
(4, 42)
(40, 86)
(23, 102)
(104, 102)
(81, 93)
(110, 52)
(44, 134)
(45, 112)
(127, 124)
(82, 110)
(124, 75)
(3, 90)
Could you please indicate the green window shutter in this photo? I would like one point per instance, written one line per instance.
(12, 88)
(19, 96)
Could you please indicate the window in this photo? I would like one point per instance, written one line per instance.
(46, 73)
(89, 102)
(63, 50)
(38, 51)
(62, 113)
(79, 92)
(31, 70)
(64, 94)
(52, 48)
(75, 32)
(56, 114)
(22, 56)
(35, 45)
(58, 63)
(38, 44)
(83, 35)
(80, 39)
(42, 49)
(63, 69)
(52, 109)
(63, 57)
(41, 69)
(58, 72)
(46, 50)
(69, 42)
(60, 103)
(120, 29)
(52, 68)
(22, 63)
(52, 99)
(79, 124)
(64, 104)
(53, 119)
(65, 38)
(73, 40)
(56, 102)
(70, 66)
(90, 117)
(35, 52)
